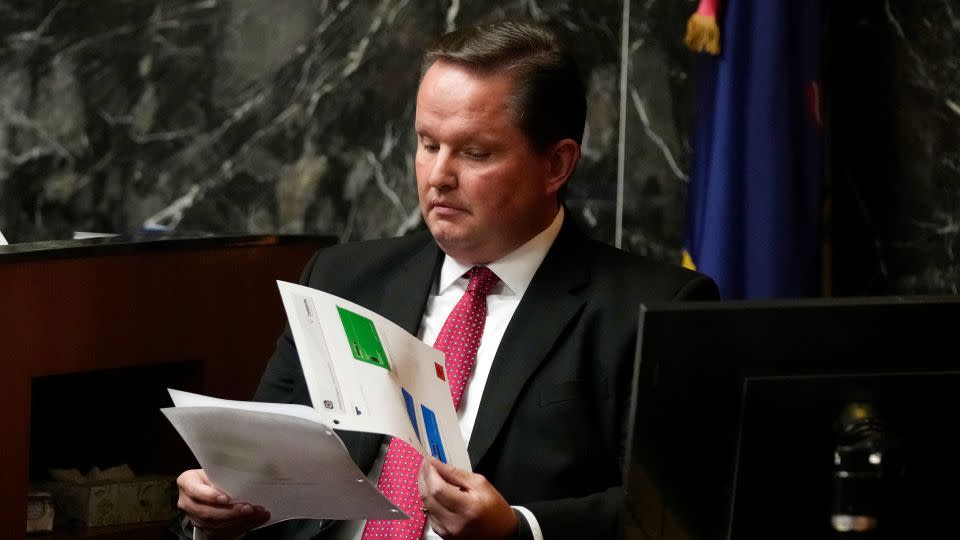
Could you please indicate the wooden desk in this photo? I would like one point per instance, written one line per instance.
(85, 306)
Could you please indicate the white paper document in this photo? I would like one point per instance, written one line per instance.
(279, 456)
(363, 373)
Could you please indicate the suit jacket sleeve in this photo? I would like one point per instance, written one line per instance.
(282, 380)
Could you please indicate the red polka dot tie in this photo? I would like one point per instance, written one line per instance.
(459, 339)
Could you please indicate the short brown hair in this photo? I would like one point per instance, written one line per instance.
(549, 100)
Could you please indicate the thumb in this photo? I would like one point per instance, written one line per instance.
(203, 477)
(451, 474)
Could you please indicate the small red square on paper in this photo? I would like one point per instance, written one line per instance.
(439, 372)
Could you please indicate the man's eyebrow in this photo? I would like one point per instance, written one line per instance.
(422, 131)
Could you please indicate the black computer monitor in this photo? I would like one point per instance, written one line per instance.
(737, 405)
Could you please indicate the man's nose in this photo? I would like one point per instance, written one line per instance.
(443, 174)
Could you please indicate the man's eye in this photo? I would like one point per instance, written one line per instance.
(478, 155)
(431, 147)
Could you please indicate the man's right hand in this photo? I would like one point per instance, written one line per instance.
(212, 511)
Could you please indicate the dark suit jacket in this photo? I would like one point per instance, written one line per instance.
(549, 432)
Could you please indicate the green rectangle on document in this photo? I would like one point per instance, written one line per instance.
(364, 342)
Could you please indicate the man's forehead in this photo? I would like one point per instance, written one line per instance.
(452, 92)
(476, 71)
(456, 81)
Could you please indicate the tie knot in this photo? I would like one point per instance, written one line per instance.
(482, 280)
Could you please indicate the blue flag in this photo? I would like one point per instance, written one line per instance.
(754, 203)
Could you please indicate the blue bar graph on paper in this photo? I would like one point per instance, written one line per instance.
(433, 434)
(411, 411)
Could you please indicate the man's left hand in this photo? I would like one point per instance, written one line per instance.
(463, 505)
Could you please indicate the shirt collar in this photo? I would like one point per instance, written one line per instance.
(516, 269)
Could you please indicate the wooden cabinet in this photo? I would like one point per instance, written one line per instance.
(207, 305)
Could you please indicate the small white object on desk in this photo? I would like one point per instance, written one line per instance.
(3, 241)
(84, 235)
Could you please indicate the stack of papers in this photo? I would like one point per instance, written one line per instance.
(364, 373)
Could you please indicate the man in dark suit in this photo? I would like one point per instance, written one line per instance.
(500, 116)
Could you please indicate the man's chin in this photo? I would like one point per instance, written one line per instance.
(445, 230)
(454, 243)
(447, 240)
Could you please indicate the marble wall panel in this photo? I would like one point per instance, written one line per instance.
(659, 121)
(894, 75)
(290, 115)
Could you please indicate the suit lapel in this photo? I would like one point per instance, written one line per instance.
(407, 290)
(554, 297)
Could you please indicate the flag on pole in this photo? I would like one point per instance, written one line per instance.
(753, 218)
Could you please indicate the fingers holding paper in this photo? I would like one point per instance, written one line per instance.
(463, 505)
(211, 510)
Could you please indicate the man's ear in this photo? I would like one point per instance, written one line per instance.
(562, 158)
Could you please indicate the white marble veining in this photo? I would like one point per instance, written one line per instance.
(247, 116)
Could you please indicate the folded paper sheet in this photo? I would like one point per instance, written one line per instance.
(363, 373)
(279, 456)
